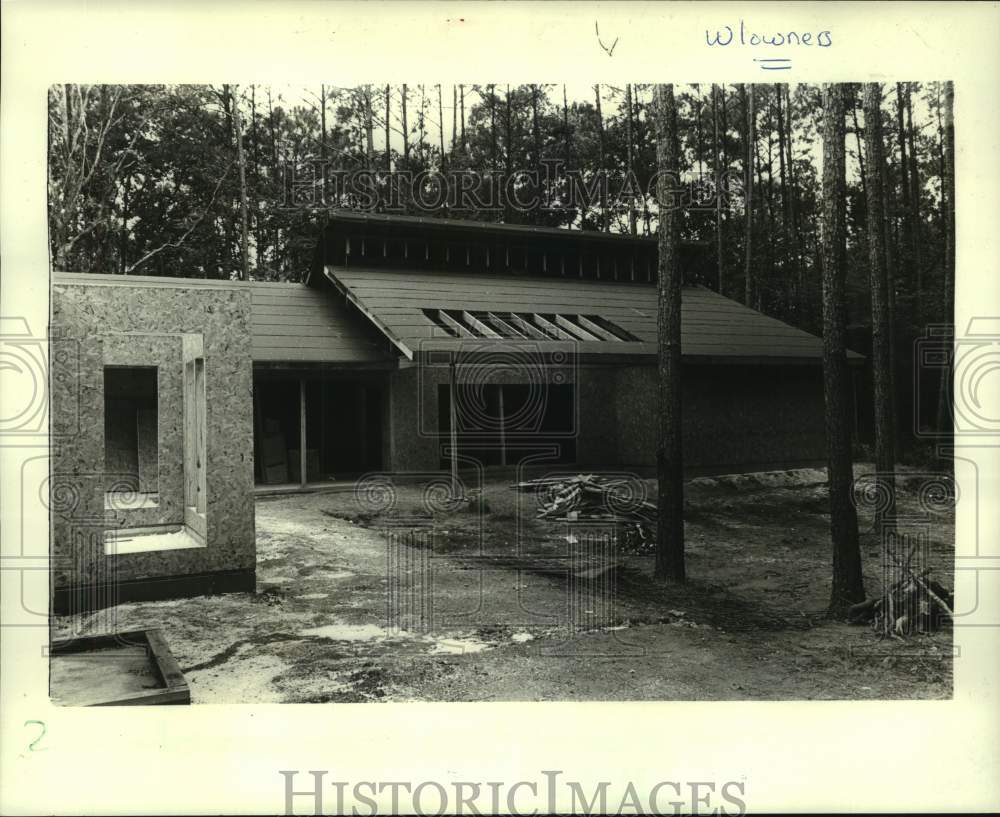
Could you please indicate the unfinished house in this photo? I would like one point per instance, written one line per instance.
(411, 340)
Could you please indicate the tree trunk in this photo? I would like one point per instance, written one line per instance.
(941, 175)
(948, 209)
(670, 466)
(566, 128)
(725, 125)
(748, 169)
(904, 177)
(857, 139)
(369, 129)
(406, 129)
(769, 220)
(461, 102)
(493, 128)
(123, 251)
(322, 121)
(275, 160)
(793, 215)
(441, 125)
(602, 181)
(388, 117)
(848, 584)
(630, 157)
(422, 121)
(241, 163)
(787, 231)
(508, 154)
(536, 133)
(914, 210)
(699, 148)
(885, 421)
(888, 217)
(258, 230)
(716, 155)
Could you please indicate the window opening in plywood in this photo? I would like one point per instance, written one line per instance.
(131, 438)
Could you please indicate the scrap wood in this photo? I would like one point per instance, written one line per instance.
(593, 498)
(905, 607)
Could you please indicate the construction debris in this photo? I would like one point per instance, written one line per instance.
(590, 498)
(914, 604)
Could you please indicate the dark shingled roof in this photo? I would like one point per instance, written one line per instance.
(297, 324)
(291, 322)
(288, 322)
(714, 328)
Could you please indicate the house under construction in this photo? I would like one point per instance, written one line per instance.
(174, 400)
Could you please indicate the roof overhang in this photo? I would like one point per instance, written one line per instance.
(714, 329)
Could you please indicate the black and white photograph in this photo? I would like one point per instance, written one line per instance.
(499, 407)
(503, 392)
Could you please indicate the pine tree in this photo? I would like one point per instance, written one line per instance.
(885, 421)
(670, 466)
(848, 586)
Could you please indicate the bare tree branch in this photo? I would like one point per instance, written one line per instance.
(175, 244)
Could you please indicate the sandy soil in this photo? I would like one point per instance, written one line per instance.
(379, 596)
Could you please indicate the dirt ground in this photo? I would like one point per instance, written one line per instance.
(397, 595)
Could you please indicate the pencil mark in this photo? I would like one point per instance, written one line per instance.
(609, 49)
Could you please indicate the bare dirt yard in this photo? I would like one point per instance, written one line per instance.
(399, 597)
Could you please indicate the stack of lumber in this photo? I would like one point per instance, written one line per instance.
(913, 604)
(593, 498)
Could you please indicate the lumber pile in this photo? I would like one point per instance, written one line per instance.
(915, 603)
(591, 498)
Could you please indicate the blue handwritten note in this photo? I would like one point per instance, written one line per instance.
(743, 35)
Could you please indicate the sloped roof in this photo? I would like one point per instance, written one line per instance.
(288, 322)
(294, 323)
(713, 328)
(291, 322)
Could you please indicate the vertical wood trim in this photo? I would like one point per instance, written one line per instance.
(202, 438)
(388, 454)
(503, 430)
(453, 429)
(188, 421)
(258, 429)
(361, 408)
(302, 432)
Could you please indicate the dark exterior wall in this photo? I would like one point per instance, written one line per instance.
(416, 442)
(736, 418)
(149, 325)
(412, 442)
(597, 438)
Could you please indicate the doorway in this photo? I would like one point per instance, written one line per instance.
(315, 429)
